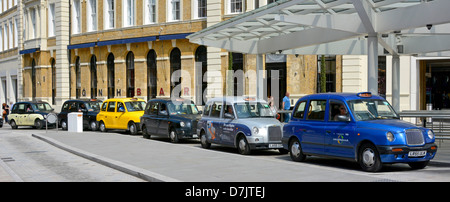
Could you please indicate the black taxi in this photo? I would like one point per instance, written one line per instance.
(175, 119)
(89, 108)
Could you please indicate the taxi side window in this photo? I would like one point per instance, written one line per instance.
(65, 107)
(21, 109)
(215, 109)
(154, 108)
(316, 110)
(111, 106)
(73, 107)
(337, 108)
(299, 112)
(104, 106)
(207, 110)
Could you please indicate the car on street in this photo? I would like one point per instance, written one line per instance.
(357, 126)
(29, 114)
(175, 119)
(121, 113)
(89, 107)
(245, 123)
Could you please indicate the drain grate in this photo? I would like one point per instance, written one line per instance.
(7, 159)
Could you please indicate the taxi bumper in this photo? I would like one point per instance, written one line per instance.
(402, 153)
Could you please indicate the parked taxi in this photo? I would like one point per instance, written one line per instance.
(244, 123)
(121, 113)
(89, 108)
(29, 114)
(360, 127)
(175, 119)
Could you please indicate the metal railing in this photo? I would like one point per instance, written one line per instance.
(437, 120)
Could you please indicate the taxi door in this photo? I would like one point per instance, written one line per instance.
(228, 126)
(313, 137)
(109, 115)
(162, 120)
(339, 132)
(120, 118)
(214, 124)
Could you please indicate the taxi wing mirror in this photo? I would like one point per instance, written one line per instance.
(164, 113)
(343, 118)
(121, 110)
(229, 116)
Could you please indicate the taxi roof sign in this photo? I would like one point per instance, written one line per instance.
(364, 94)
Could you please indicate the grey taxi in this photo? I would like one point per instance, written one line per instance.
(244, 123)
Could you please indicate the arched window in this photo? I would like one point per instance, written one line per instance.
(93, 77)
(53, 63)
(33, 79)
(130, 74)
(200, 61)
(238, 69)
(78, 77)
(110, 67)
(151, 74)
(175, 65)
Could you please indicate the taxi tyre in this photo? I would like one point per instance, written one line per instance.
(418, 165)
(173, 136)
(132, 128)
(204, 141)
(243, 146)
(93, 125)
(369, 158)
(38, 124)
(102, 127)
(63, 124)
(13, 124)
(295, 151)
(144, 132)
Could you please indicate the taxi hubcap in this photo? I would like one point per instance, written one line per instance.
(93, 125)
(295, 149)
(368, 157)
(203, 139)
(242, 144)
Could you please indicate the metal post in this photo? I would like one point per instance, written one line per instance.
(372, 63)
(396, 82)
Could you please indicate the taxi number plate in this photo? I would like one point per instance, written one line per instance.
(275, 146)
(417, 153)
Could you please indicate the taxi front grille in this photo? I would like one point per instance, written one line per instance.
(274, 133)
(414, 137)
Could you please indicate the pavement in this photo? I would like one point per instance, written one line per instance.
(162, 161)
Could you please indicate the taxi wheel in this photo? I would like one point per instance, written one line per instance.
(102, 126)
(93, 125)
(296, 152)
(204, 141)
(13, 124)
(132, 128)
(63, 124)
(145, 133)
(173, 136)
(243, 146)
(369, 159)
(38, 124)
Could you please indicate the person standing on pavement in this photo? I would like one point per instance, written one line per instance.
(286, 106)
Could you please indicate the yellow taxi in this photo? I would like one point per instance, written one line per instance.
(121, 113)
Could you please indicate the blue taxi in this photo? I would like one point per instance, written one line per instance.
(244, 123)
(360, 127)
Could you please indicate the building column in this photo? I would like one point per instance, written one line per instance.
(214, 58)
(62, 55)
(372, 63)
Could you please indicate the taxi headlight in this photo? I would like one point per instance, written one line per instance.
(255, 130)
(390, 136)
(182, 124)
(430, 134)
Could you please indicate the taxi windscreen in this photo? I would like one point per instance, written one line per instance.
(135, 106)
(253, 110)
(364, 110)
(183, 108)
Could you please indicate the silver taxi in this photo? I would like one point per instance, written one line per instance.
(245, 123)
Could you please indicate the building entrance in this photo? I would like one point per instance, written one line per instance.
(276, 74)
(437, 77)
